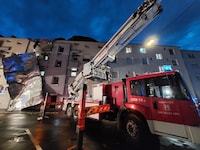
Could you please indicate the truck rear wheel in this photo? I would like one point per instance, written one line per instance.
(69, 111)
(75, 112)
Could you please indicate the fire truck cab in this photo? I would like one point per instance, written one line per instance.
(157, 103)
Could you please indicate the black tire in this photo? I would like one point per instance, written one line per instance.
(75, 112)
(69, 111)
(136, 131)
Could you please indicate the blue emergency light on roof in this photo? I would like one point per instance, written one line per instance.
(166, 68)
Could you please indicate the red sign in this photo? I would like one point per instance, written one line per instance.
(97, 109)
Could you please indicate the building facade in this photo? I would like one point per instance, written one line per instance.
(61, 60)
(192, 63)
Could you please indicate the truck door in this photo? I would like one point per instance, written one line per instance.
(162, 107)
(165, 108)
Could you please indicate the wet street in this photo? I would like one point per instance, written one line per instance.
(22, 131)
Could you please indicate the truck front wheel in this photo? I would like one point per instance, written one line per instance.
(135, 129)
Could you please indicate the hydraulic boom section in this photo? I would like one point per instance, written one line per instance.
(97, 68)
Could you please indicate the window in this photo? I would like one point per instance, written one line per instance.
(75, 56)
(76, 44)
(128, 50)
(99, 47)
(175, 62)
(8, 41)
(86, 58)
(191, 56)
(145, 61)
(159, 56)
(129, 60)
(55, 80)
(171, 51)
(1, 42)
(46, 57)
(196, 66)
(60, 49)
(114, 74)
(142, 50)
(19, 43)
(42, 73)
(73, 72)
(58, 63)
(160, 68)
(167, 86)
(198, 77)
(138, 87)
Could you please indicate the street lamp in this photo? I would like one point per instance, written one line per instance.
(151, 41)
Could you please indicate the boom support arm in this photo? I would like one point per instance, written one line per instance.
(97, 68)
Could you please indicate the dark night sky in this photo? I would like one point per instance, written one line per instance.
(177, 25)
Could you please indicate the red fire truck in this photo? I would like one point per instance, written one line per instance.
(158, 103)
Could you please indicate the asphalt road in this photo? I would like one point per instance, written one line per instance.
(22, 131)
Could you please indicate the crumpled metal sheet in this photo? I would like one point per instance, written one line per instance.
(24, 80)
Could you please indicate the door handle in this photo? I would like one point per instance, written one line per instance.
(155, 105)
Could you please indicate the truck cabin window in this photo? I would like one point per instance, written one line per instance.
(167, 87)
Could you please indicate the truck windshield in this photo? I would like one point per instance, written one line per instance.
(168, 87)
(179, 87)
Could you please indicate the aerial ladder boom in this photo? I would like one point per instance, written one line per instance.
(96, 68)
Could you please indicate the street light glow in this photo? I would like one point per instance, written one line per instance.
(151, 41)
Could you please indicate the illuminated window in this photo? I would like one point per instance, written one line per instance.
(128, 50)
(142, 50)
(159, 56)
(73, 69)
(42, 73)
(46, 57)
(73, 72)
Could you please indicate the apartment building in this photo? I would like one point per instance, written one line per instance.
(67, 57)
(61, 60)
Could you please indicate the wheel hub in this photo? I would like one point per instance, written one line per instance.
(132, 128)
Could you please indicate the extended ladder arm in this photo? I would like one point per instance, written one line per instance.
(97, 68)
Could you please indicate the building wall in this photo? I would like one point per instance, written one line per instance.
(192, 63)
(10, 46)
(55, 75)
